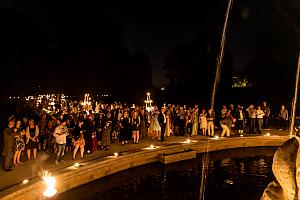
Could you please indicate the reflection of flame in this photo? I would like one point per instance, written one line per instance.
(116, 155)
(50, 182)
(151, 146)
(268, 134)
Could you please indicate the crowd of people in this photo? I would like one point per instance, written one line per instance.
(91, 127)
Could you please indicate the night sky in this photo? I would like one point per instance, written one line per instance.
(41, 41)
(155, 27)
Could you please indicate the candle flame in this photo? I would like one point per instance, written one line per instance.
(50, 182)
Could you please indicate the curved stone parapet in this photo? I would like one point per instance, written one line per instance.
(72, 176)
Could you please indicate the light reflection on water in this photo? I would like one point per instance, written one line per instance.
(232, 174)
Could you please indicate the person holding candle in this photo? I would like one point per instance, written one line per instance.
(60, 134)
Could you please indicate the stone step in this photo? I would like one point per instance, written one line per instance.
(175, 157)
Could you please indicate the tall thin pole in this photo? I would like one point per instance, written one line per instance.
(205, 159)
(220, 57)
(295, 98)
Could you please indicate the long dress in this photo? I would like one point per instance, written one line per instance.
(125, 129)
(151, 126)
(168, 125)
(195, 125)
(156, 126)
(106, 137)
(143, 126)
(203, 121)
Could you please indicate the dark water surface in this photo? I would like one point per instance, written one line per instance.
(232, 174)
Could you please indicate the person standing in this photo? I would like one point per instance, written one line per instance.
(283, 118)
(136, 121)
(267, 112)
(19, 143)
(182, 120)
(8, 143)
(168, 124)
(195, 120)
(144, 121)
(106, 142)
(88, 135)
(241, 118)
(210, 122)
(203, 121)
(60, 134)
(79, 141)
(162, 122)
(32, 134)
(156, 126)
(259, 115)
(42, 124)
(252, 118)
(125, 128)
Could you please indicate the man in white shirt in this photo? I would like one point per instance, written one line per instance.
(260, 117)
(60, 134)
(252, 118)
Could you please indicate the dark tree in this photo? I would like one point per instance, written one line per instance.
(191, 71)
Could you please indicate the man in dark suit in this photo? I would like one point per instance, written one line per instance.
(162, 122)
(9, 140)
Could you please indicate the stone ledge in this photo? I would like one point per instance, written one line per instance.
(72, 177)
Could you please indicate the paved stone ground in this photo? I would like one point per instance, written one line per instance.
(34, 168)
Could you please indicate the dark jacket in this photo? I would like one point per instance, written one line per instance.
(9, 140)
(161, 119)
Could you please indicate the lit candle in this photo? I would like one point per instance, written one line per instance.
(76, 165)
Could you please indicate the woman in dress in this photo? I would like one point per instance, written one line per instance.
(106, 142)
(203, 122)
(156, 126)
(144, 121)
(20, 143)
(195, 119)
(150, 123)
(189, 123)
(168, 123)
(32, 133)
(79, 141)
(136, 120)
(124, 128)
